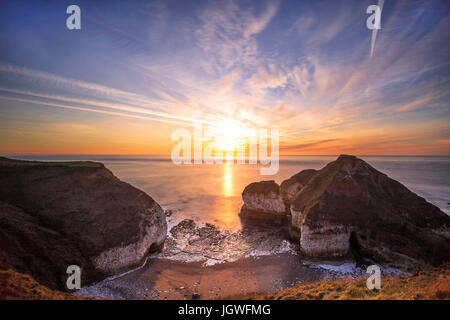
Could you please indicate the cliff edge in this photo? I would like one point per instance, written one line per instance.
(56, 214)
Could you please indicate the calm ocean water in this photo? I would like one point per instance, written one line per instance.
(212, 193)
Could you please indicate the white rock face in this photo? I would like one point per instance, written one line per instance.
(297, 218)
(262, 200)
(118, 259)
(268, 203)
(327, 240)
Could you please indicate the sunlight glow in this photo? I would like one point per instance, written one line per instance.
(233, 135)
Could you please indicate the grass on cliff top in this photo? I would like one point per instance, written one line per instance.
(6, 162)
(432, 284)
(18, 286)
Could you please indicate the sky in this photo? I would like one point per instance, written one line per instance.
(138, 70)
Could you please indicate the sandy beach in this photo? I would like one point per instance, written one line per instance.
(170, 279)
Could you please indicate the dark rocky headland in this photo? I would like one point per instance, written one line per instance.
(56, 214)
(349, 209)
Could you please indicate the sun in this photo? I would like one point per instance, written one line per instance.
(232, 135)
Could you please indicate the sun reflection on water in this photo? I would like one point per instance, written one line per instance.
(228, 208)
(228, 180)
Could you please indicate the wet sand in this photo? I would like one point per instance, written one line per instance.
(170, 279)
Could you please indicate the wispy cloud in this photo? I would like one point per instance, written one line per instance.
(100, 91)
(298, 147)
(227, 33)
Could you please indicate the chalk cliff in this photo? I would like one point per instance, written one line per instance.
(262, 200)
(53, 215)
(348, 207)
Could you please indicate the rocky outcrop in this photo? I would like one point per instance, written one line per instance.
(348, 207)
(262, 200)
(291, 186)
(53, 215)
(189, 241)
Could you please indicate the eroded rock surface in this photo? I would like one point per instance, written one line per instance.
(262, 200)
(53, 215)
(188, 241)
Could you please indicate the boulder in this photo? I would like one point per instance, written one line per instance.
(291, 186)
(55, 214)
(348, 207)
(262, 200)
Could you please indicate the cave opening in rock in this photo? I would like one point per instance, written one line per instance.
(355, 247)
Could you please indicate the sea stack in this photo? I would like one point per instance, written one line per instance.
(57, 214)
(348, 207)
(263, 201)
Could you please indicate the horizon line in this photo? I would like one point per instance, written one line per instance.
(168, 155)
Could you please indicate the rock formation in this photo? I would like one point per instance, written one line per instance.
(291, 186)
(350, 207)
(262, 200)
(53, 215)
